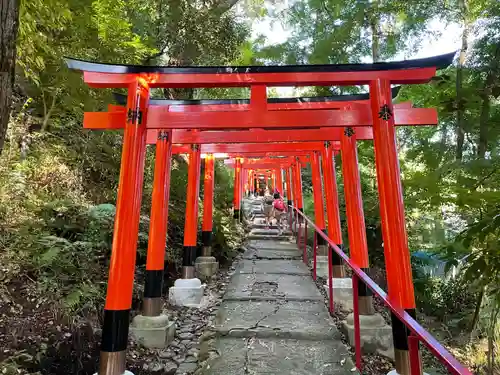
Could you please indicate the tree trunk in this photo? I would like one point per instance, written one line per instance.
(9, 23)
(492, 338)
(486, 104)
(483, 125)
(475, 317)
(459, 82)
(374, 26)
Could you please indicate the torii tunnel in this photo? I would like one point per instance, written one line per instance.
(271, 139)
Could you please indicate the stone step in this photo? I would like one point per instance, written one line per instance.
(272, 287)
(272, 254)
(257, 224)
(264, 232)
(278, 266)
(268, 237)
(271, 319)
(267, 244)
(277, 356)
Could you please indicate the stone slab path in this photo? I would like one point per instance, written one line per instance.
(273, 319)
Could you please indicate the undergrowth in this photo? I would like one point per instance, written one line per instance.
(57, 212)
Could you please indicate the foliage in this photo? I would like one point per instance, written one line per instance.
(451, 203)
(446, 299)
(58, 182)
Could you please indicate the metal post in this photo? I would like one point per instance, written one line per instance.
(357, 328)
(306, 261)
(314, 255)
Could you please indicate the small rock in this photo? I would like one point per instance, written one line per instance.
(186, 329)
(190, 359)
(170, 368)
(155, 367)
(193, 351)
(175, 343)
(166, 354)
(179, 359)
(187, 343)
(186, 336)
(186, 368)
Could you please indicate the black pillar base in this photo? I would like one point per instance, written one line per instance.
(206, 238)
(189, 256)
(115, 330)
(153, 284)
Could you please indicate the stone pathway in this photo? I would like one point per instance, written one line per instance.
(273, 319)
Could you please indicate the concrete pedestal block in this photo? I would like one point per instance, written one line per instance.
(394, 372)
(342, 292)
(153, 331)
(206, 267)
(322, 266)
(186, 292)
(376, 335)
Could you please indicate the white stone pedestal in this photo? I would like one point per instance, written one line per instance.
(342, 292)
(376, 335)
(186, 292)
(153, 331)
(322, 266)
(206, 267)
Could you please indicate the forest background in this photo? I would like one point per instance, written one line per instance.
(58, 182)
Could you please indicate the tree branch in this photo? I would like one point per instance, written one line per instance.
(223, 6)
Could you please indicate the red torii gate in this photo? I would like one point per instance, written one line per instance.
(140, 116)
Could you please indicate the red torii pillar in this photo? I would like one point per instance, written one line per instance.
(206, 264)
(250, 183)
(336, 268)
(392, 213)
(299, 203)
(289, 189)
(124, 248)
(321, 259)
(236, 189)
(152, 303)
(298, 184)
(358, 247)
(191, 222)
(208, 200)
(279, 181)
(188, 290)
(371, 324)
(155, 261)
